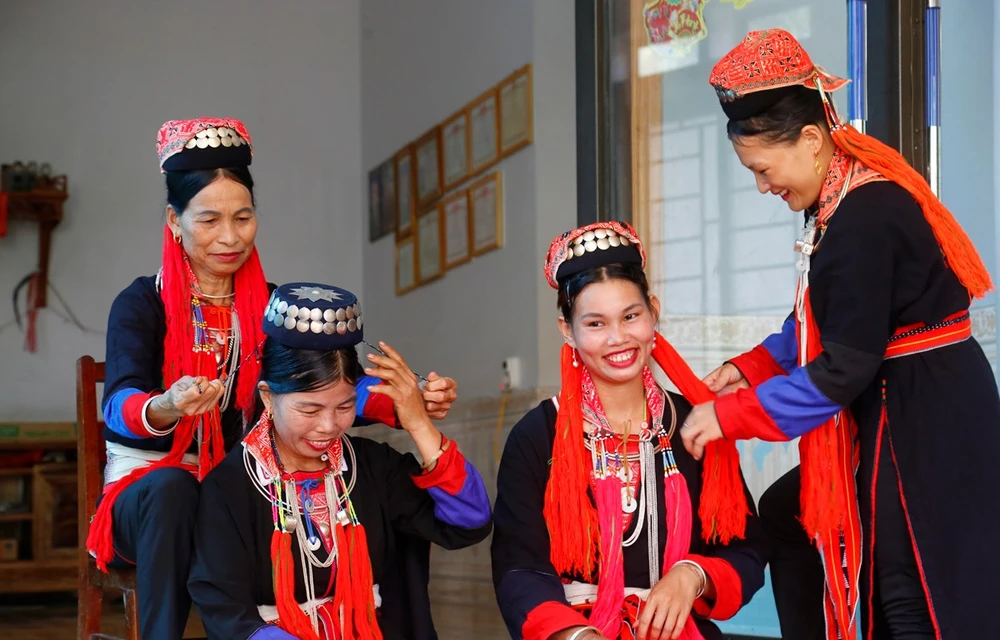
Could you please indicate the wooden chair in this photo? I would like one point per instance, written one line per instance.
(90, 450)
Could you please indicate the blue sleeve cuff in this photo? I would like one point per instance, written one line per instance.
(467, 509)
(783, 346)
(795, 404)
(114, 417)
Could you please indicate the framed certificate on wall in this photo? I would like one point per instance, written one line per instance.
(457, 230)
(428, 154)
(484, 127)
(457, 152)
(515, 111)
(487, 214)
(430, 249)
(405, 206)
(406, 262)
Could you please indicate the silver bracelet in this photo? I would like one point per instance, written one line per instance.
(576, 634)
(697, 568)
(156, 433)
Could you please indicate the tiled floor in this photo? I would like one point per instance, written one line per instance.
(53, 617)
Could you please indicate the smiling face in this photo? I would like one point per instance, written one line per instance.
(613, 329)
(306, 423)
(217, 228)
(788, 169)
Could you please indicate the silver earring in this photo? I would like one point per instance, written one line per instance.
(575, 363)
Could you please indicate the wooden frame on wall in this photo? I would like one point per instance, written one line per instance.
(457, 222)
(430, 245)
(406, 265)
(405, 193)
(486, 207)
(456, 149)
(429, 174)
(514, 97)
(484, 131)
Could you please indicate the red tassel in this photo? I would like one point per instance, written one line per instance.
(354, 597)
(569, 514)
(829, 497)
(723, 509)
(251, 298)
(31, 331)
(291, 618)
(678, 504)
(606, 614)
(362, 586)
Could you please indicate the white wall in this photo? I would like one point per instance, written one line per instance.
(86, 85)
(969, 130)
(420, 63)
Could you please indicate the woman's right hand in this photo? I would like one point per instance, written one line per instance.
(726, 379)
(187, 396)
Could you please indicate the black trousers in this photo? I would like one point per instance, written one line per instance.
(153, 524)
(900, 610)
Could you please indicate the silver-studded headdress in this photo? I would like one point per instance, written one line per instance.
(319, 317)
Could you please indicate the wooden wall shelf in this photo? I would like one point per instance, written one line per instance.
(44, 206)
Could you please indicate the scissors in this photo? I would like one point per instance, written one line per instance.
(423, 381)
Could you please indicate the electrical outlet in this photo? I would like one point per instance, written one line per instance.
(511, 373)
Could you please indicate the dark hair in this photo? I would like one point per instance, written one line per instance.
(783, 121)
(288, 370)
(182, 186)
(570, 290)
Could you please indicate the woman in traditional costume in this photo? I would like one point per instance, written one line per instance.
(876, 369)
(194, 330)
(596, 533)
(302, 529)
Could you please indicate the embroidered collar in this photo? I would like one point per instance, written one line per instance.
(843, 175)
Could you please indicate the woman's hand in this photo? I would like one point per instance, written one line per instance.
(726, 379)
(187, 396)
(439, 394)
(701, 427)
(669, 604)
(401, 385)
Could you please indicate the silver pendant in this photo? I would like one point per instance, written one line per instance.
(629, 503)
(342, 518)
(314, 543)
(291, 524)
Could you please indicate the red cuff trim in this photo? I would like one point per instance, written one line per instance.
(132, 413)
(379, 408)
(449, 473)
(728, 589)
(742, 417)
(549, 618)
(758, 365)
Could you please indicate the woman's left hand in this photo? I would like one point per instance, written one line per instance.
(669, 604)
(401, 386)
(439, 393)
(700, 428)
